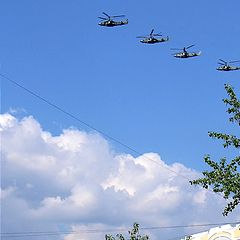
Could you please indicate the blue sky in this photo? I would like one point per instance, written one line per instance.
(136, 93)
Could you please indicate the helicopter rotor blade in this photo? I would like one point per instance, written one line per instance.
(157, 34)
(190, 46)
(106, 15)
(175, 48)
(222, 61)
(234, 61)
(223, 64)
(103, 18)
(142, 37)
(117, 16)
(151, 32)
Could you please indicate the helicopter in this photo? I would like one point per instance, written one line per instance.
(150, 39)
(109, 22)
(226, 67)
(184, 53)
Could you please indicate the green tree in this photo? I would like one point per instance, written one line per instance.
(134, 235)
(224, 176)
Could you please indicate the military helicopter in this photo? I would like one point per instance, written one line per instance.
(150, 39)
(109, 22)
(184, 53)
(226, 67)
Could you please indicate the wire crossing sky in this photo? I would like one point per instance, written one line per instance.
(86, 124)
(99, 131)
(94, 231)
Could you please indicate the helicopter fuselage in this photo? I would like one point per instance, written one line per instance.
(111, 23)
(227, 68)
(187, 54)
(152, 40)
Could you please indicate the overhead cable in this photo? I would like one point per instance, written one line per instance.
(89, 125)
(95, 231)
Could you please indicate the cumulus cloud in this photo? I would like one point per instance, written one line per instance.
(76, 181)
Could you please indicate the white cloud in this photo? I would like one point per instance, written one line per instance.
(76, 180)
(200, 197)
(7, 121)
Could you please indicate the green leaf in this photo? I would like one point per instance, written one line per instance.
(224, 176)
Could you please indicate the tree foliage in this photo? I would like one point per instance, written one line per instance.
(224, 176)
(133, 235)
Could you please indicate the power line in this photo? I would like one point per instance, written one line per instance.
(96, 129)
(95, 231)
(88, 125)
(190, 226)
